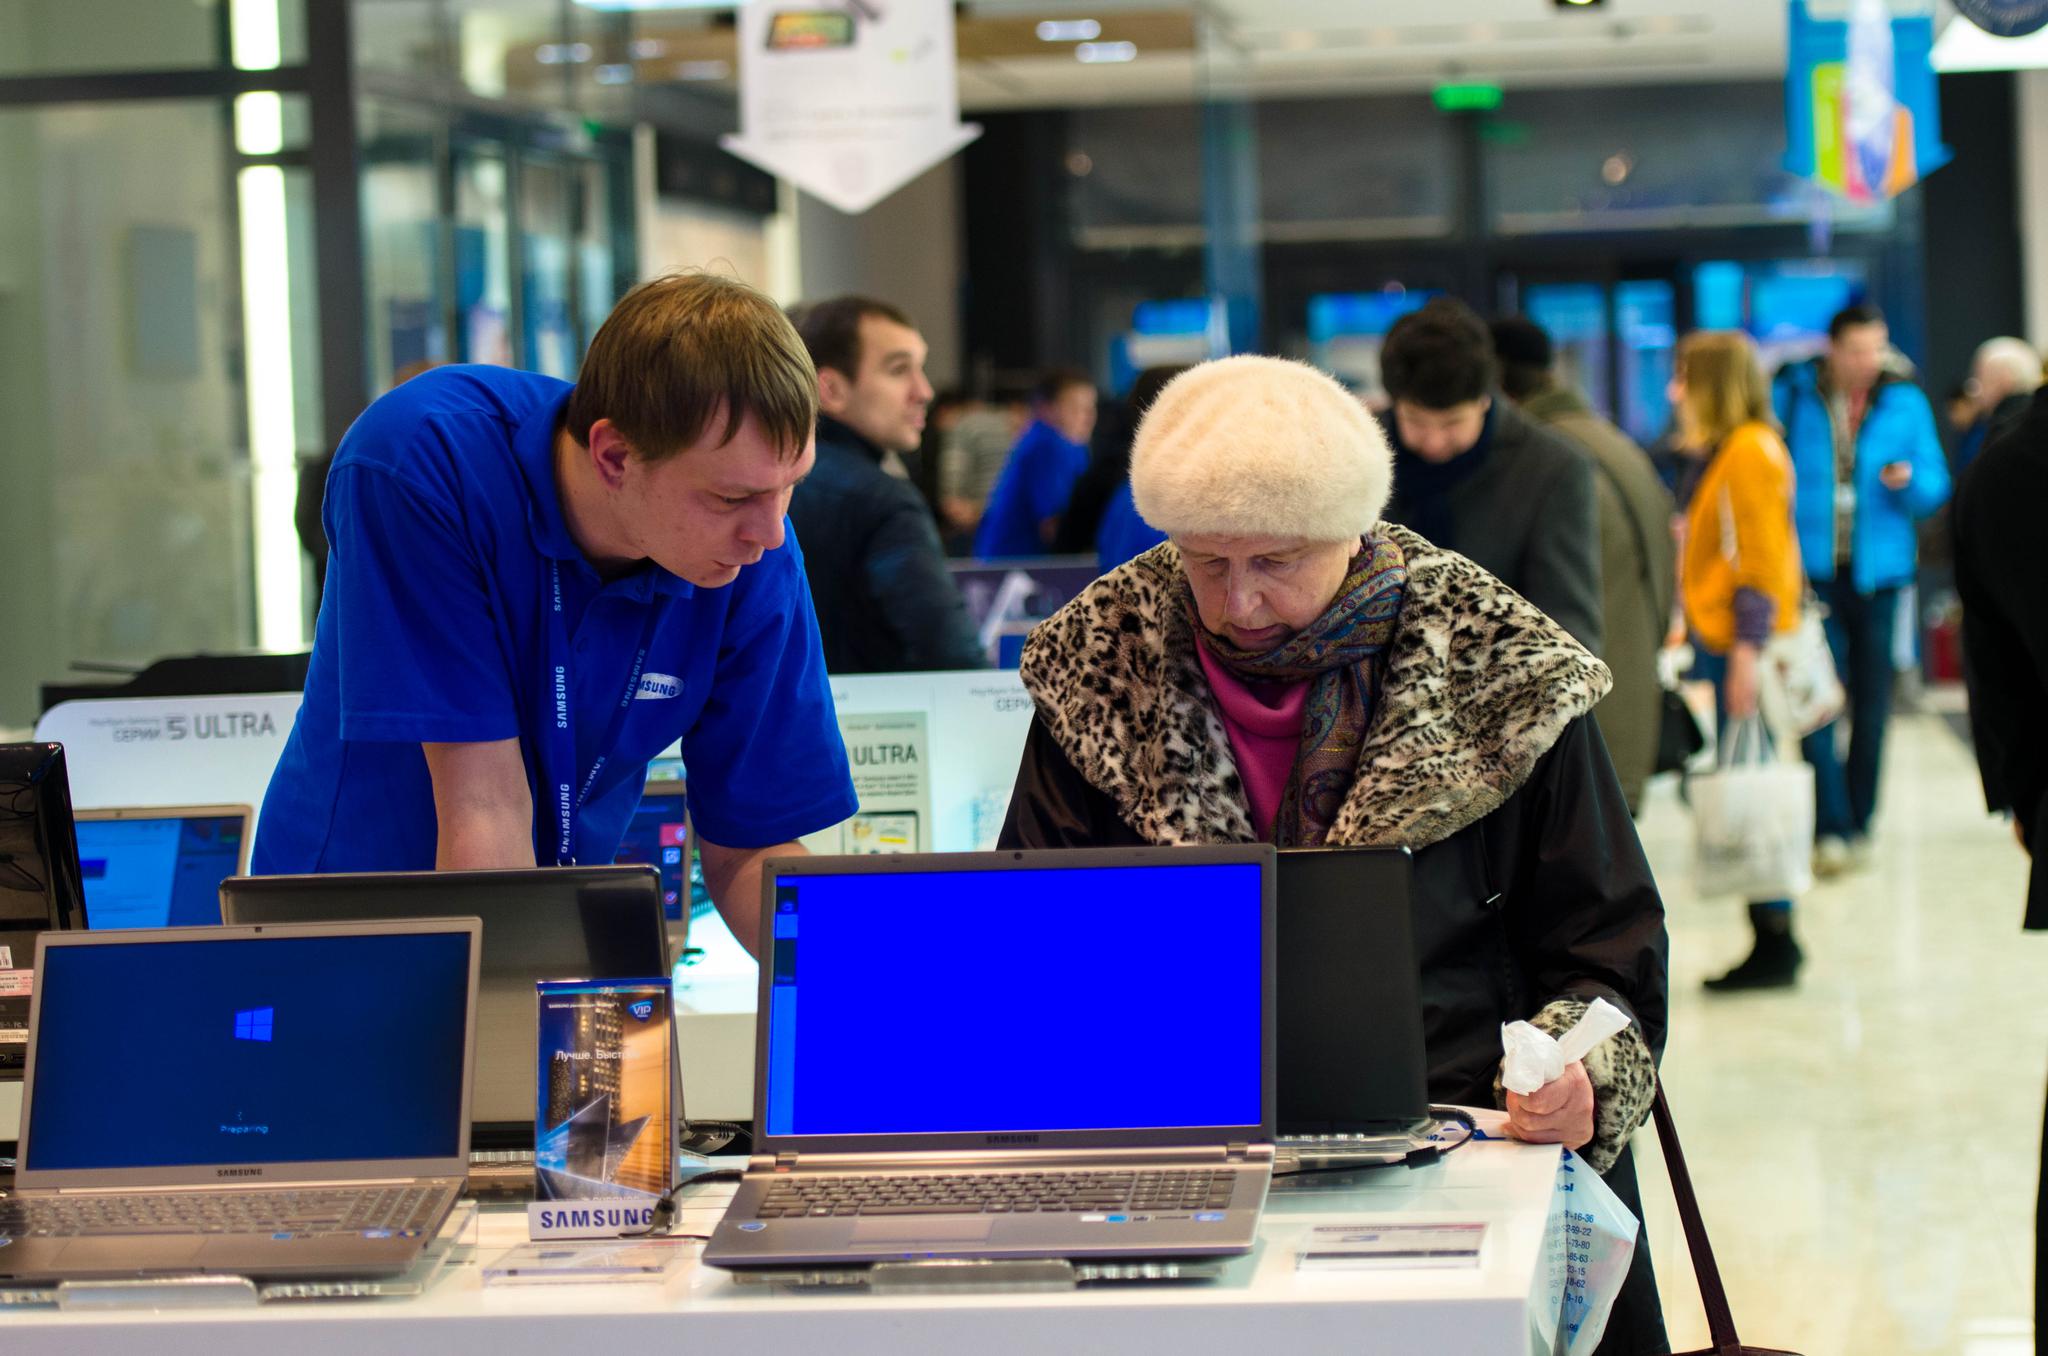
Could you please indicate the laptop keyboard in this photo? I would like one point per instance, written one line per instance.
(1021, 1193)
(401, 1210)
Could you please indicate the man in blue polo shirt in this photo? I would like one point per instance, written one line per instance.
(533, 589)
(1029, 496)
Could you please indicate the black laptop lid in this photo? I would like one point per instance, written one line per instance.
(571, 922)
(1351, 1046)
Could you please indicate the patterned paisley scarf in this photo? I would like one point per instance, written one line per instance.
(1341, 650)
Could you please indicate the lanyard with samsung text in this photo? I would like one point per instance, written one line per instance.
(558, 759)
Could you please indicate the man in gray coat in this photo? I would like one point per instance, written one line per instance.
(1637, 552)
(1473, 475)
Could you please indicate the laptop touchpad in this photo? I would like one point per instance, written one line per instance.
(947, 1230)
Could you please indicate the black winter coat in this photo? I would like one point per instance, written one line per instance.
(2002, 578)
(878, 577)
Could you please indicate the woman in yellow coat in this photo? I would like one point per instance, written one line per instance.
(1739, 574)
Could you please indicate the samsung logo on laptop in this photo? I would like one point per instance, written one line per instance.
(1009, 1139)
(642, 1009)
(656, 687)
(238, 1172)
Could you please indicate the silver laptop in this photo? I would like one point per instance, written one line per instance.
(255, 1101)
(160, 866)
(1008, 1055)
(571, 922)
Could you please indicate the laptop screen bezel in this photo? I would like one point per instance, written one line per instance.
(1041, 859)
(247, 1174)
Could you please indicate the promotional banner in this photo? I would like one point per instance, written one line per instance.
(603, 1122)
(848, 101)
(2005, 18)
(1862, 115)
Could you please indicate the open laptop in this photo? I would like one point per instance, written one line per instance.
(160, 867)
(1353, 1070)
(255, 1101)
(573, 922)
(1009, 1055)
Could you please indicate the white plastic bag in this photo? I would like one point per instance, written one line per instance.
(1753, 819)
(1588, 1246)
(1798, 672)
(1532, 1057)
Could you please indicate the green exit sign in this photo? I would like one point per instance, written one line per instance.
(1473, 97)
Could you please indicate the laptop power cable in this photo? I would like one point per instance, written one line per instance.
(665, 1208)
(1415, 1158)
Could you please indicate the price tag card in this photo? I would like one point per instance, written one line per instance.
(1376, 1247)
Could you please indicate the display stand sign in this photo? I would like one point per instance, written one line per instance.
(170, 750)
(934, 756)
(604, 1123)
(848, 102)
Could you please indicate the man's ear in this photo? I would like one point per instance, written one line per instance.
(609, 452)
(835, 390)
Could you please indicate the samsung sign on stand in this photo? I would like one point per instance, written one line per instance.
(2005, 18)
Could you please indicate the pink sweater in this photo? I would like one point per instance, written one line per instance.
(1264, 725)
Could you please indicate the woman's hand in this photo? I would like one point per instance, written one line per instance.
(1739, 689)
(1559, 1112)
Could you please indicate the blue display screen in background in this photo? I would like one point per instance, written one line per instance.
(153, 873)
(1017, 1000)
(657, 836)
(250, 1050)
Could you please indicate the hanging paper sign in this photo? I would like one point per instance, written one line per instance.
(2005, 18)
(1862, 114)
(848, 101)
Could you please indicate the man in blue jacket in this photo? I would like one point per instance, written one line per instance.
(1025, 506)
(1869, 467)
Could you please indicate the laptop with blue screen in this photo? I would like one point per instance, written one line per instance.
(1011, 1055)
(161, 866)
(266, 1101)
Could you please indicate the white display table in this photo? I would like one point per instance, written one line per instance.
(1264, 1305)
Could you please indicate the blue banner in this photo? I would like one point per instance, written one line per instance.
(1862, 113)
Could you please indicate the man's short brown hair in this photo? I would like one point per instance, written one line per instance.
(683, 351)
(830, 329)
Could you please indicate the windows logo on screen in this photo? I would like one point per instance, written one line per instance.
(253, 1024)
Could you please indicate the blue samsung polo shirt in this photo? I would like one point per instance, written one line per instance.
(447, 543)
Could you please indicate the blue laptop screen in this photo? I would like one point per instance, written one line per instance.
(249, 1050)
(657, 836)
(153, 873)
(1014, 1000)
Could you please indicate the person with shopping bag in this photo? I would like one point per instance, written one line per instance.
(1741, 585)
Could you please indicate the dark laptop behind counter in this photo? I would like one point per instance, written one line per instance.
(1039, 1054)
(39, 884)
(576, 922)
(160, 866)
(264, 1101)
(1353, 1067)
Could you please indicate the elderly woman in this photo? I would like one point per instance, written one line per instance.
(1288, 667)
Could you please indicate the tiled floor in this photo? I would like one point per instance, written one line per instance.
(1865, 1145)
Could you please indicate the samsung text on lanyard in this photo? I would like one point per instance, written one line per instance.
(559, 760)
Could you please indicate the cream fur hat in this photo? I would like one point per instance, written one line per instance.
(1258, 447)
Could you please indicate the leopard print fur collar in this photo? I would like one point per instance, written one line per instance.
(1479, 685)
